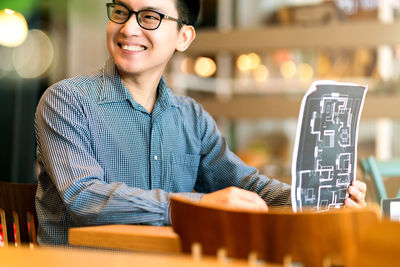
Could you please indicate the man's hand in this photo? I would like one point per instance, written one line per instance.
(357, 192)
(234, 197)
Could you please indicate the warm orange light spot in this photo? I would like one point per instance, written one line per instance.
(205, 67)
(13, 28)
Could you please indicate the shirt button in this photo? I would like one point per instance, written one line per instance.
(155, 157)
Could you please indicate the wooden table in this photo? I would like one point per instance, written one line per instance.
(50, 257)
(127, 237)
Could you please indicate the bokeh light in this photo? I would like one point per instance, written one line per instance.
(243, 63)
(306, 72)
(288, 69)
(205, 67)
(13, 28)
(248, 62)
(255, 60)
(282, 55)
(261, 73)
(35, 56)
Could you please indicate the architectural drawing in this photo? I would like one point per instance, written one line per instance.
(325, 152)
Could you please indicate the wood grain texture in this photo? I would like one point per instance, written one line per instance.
(50, 257)
(128, 237)
(380, 246)
(307, 237)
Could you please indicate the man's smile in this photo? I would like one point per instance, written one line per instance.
(134, 48)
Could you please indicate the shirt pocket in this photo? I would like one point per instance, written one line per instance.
(184, 168)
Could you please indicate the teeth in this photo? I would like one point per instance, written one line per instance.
(133, 48)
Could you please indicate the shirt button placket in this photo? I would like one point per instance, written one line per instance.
(155, 162)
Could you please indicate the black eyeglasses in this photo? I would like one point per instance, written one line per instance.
(147, 19)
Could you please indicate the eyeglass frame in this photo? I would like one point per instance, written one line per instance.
(162, 16)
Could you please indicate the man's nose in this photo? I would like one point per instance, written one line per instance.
(131, 27)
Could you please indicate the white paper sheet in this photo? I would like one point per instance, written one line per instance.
(325, 151)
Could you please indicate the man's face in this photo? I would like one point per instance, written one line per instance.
(136, 50)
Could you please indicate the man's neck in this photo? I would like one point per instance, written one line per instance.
(143, 89)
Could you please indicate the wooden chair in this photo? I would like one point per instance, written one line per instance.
(18, 213)
(276, 236)
(379, 246)
(378, 170)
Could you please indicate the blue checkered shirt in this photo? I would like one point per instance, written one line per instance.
(105, 160)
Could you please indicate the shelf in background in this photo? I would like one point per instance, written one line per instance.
(286, 106)
(335, 35)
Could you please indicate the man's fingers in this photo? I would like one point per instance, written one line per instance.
(251, 197)
(357, 196)
(361, 186)
(236, 198)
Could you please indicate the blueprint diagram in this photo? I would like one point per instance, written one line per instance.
(325, 151)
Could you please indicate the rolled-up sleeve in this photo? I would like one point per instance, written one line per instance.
(66, 154)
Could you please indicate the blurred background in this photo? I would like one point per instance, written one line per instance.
(250, 65)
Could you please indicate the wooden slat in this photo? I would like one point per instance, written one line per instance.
(4, 227)
(49, 257)
(307, 237)
(129, 237)
(379, 247)
(16, 199)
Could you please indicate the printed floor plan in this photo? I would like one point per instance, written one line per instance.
(324, 157)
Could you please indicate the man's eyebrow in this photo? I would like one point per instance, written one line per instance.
(144, 8)
(153, 8)
(121, 3)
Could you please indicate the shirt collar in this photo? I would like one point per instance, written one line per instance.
(165, 97)
(113, 90)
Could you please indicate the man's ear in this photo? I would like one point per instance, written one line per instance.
(186, 36)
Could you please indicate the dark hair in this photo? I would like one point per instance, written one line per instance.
(188, 11)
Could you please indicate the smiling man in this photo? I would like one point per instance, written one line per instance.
(115, 146)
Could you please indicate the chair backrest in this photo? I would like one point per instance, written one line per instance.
(273, 236)
(378, 170)
(380, 246)
(18, 213)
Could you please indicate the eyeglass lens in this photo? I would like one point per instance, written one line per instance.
(146, 18)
